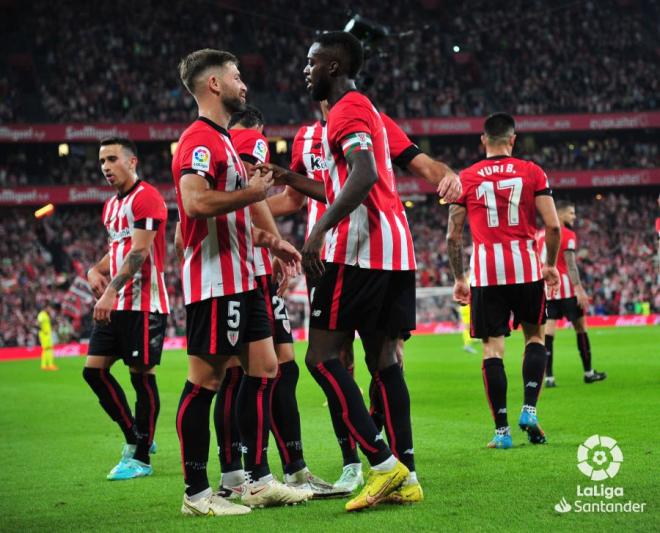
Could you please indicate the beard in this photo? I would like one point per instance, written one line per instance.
(321, 90)
(233, 103)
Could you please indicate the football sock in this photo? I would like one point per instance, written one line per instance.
(375, 407)
(386, 465)
(585, 350)
(233, 479)
(147, 407)
(549, 341)
(192, 427)
(344, 438)
(225, 420)
(495, 383)
(113, 400)
(253, 405)
(345, 398)
(202, 494)
(533, 368)
(395, 400)
(285, 418)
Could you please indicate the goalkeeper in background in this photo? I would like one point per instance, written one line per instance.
(46, 337)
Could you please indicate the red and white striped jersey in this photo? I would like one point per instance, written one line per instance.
(141, 207)
(218, 251)
(499, 195)
(568, 244)
(252, 147)
(376, 234)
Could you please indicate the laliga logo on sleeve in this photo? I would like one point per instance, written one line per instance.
(201, 158)
(599, 457)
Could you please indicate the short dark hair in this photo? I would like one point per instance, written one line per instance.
(248, 117)
(124, 142)
(499, 126)
(348, 47)
(191, 66)
(560, 205)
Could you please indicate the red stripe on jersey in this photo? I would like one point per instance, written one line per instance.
(336, 295)
(242, 243)
(226, 262)
(213, 339)
(375, 237)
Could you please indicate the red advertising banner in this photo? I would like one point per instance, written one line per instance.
(42, 133)
(299, 334)
(407, 185)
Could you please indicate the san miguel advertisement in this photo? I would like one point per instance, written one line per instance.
(36, 133)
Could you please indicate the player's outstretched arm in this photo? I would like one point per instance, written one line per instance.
(200, 201)
(457, 215)
(98, 276)
(141, 242)
(283, 176)
(545, 206)
(288, 202)
(439, 174)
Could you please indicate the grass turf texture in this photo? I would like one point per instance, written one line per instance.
(57, 446)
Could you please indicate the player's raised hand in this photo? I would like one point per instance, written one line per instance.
(97, 282)
(450, 188)
(461, 292)
(287, 253)
(261, 182)
(311, 255)
(551, 276)
(279, 173)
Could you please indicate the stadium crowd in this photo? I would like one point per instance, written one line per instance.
(41, 258)
(61, 65)
(37, 164)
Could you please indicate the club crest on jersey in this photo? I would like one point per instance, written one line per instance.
(232, 337)
(201, 159)
(286, 325)
(260, 150)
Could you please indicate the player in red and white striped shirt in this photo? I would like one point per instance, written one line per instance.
(570, 301)
(501, 196)
(308, 159)
(131, 312)
(246, 131)
(225, 311)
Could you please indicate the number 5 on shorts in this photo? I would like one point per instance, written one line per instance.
(233, 314)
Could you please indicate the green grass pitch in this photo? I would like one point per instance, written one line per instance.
(57, 446)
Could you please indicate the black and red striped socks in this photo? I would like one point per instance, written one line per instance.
(253, 407)
(147, 407)
(226, 423)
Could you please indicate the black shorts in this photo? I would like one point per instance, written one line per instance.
(223, 325)
(278, 315)
(135, 336)
(491, 308)
(349, 298)
(566, 307)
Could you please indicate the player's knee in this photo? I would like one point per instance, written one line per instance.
(90, 374)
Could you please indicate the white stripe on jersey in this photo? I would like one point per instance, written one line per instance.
(405, 264)
(235, 260)
(533, 260)
(483, 267)
(211, 271)
(119, 261)
(186, 275)
(500, 269)
(388, 249)
(364, 251)
(517, 262)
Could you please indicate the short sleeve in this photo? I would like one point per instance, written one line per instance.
(198, 155)
(571, 242)
(402, 149)
(297, 163)
(349, 127)
(149, 210)
(540, 180)
(253, 148)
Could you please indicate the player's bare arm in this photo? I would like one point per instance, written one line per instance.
(439, 174)
(98, 276)
(200, 201)
(141, 242)
(574, 276)
(178, 242)
(282, 176)
(362, 176)
(457, 214)
(545, 206)
(288, 202)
